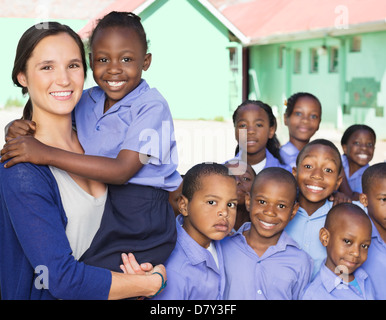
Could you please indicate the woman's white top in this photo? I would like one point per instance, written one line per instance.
(84, 212)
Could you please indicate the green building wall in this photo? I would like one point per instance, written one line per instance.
(354, 93)
(190, 65)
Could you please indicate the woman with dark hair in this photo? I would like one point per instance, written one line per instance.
(43, 229)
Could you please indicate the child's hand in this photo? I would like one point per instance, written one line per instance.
(339, 197)
(18, 128)
(23, 149)
(131, 266)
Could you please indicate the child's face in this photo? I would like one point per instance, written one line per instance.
(244, 183)
(271, 206)
(347, 244)
(317, 173)
(304, 120)
(211, 213)
(255, 120)
(375, 201)
(118, 59)
(359, 148)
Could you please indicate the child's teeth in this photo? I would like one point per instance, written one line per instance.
(315, 188)
(362, 156)
(267, 224)
(115, 83)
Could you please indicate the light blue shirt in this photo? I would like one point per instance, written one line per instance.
(328, 286)
(281, 273)
(192, 271)
(375, 265)
(141, 122)
(289, 153)
(271, 161)
(355, 181)
(304, 229)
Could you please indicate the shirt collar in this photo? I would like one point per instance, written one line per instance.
(194, 252)
(99, 97)
(321, 212)
(284, 239)
(331, 281)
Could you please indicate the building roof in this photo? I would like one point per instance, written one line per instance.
(264, 21)
(43, 10)
(251, 21)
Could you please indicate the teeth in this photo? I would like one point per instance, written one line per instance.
(115, 83)
(61, 93)
(316, 188)
(362, 156)
(267, 224)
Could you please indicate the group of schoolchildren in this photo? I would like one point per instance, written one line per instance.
(298, 221)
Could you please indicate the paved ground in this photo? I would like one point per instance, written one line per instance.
(200, 141)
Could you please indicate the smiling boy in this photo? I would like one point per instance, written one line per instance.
(347, 237)
(261, 261)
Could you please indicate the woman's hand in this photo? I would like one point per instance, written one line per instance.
(158, 273)
(24, 149)
(131, 266)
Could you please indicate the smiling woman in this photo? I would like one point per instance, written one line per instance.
(49, 217)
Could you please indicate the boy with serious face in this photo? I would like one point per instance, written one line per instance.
(208, 207)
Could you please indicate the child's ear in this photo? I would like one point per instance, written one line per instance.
(286, 119)
(147, 61)
(295, 209)
(183, 205)
(324, 236)
(21, 77)
(90, 60)
(363, 199)
(344, 147)
(247, 201)
(294, 171)
(338, 181)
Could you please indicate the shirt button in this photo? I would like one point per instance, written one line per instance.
(259, 292)
(97, 128)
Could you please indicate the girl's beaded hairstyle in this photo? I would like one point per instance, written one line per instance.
(356, 127)
(291, 102)
(273, 144)
(27, 43)
(122, 20)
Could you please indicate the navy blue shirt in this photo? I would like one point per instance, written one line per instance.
(33, 241)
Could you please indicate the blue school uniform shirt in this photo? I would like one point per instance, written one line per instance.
(281, 273)
(33, 237)
(355, 181)
(328, 286)
(375, 265)
(142, 122)
(192, 271)
(289, 153)
(304, 229)
(271, 161)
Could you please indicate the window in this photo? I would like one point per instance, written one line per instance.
(355, 44)
(281, 56)
(314, 60)
(333, 59)
(297, 61)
